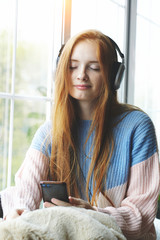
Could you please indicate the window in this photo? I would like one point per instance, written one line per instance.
(136, 29)
(30, 36)
(145, 90)
(98, 14)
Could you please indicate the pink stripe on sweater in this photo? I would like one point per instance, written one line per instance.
(136, 214)
(27, 192)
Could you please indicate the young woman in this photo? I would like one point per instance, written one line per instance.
(105, 151)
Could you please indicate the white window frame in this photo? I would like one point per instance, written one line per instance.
(130, 44)
(61, 33)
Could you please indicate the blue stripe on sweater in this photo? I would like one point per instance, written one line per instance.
(42, 139)
(135, 141)
(134, 138)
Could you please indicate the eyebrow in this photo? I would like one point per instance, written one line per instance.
(75, 60)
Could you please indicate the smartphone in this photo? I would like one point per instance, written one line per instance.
(54, 189)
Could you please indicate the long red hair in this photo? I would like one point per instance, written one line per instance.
(64, 159)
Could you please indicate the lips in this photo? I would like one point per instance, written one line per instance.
(82, 86)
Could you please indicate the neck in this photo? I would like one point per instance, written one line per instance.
(85, 110)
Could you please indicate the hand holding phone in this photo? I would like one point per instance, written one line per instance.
(54, 189)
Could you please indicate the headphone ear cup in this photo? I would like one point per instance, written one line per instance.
(117, 75)
(59, 54)
(57, 60)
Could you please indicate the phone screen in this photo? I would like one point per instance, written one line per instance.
(54, 189)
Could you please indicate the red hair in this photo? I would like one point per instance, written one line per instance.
(64, 159)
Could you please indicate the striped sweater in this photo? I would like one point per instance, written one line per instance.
(132, 181)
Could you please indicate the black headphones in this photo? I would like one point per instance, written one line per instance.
(117, 68)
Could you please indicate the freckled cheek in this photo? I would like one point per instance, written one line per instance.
(99, 88)
(99, 85)
(71, 78)
(70, 86)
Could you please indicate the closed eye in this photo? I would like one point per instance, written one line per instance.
(72, 67)
(94, 67)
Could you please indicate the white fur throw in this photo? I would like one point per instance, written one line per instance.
(61, 223)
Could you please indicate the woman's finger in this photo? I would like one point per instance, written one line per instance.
(48, 204)
(60, 203)
(75, 201)
(56, 202)
(80, 203)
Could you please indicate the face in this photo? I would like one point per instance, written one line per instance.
(85, 74)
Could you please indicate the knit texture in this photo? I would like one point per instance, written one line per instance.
(132, 181)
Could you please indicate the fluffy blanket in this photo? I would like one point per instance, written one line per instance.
(61, 223)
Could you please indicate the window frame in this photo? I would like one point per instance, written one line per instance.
(130, 44)
(12, 96)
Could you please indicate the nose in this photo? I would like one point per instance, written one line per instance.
(82, 75)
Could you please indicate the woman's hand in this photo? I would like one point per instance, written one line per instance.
(77, 202)
(56, 202)
(14, 214)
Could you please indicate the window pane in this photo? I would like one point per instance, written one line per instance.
(6, 44)
(4, 141)
(34, 46)
(107, 16)
(28, 117)
(147, 82)
(98, 14)
(30, 38)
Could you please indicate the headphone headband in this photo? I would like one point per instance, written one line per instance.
(116, 47)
